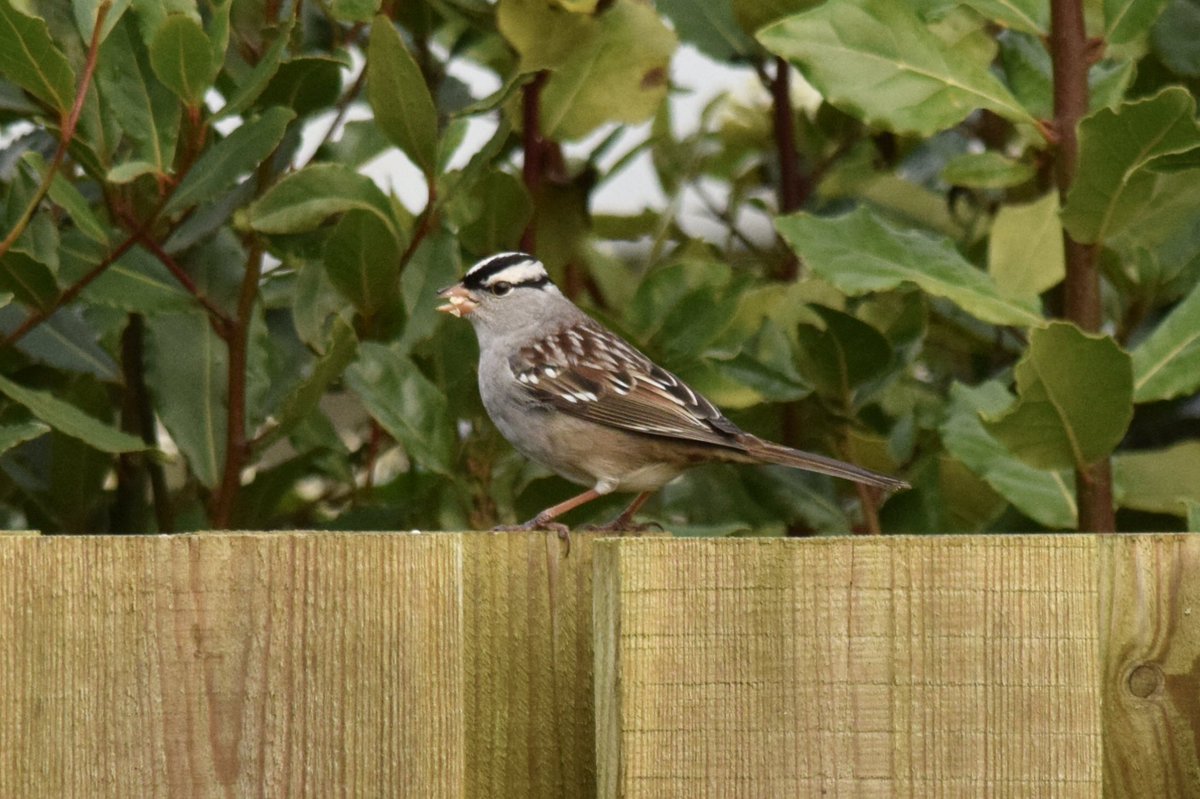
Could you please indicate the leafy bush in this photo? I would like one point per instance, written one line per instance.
(213, 318)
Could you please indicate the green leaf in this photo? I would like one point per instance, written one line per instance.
(1176, 37)
(64, 341)
(136, 100)
(307, 85)
(406, 404)
(1167, 364)
(1158, 481)
(65, 195)
(545, 34)
(709, 26)
(362, 258)
(30, 281)
(71, 421)
(223, 164)
(619, 74)
(1125, 20)
(434, 265)
(842, 356)
(1193, 515)
(187, 373)
(1030, 16)
(1047, 497)
(879, 61)
(85, 17)
(255, 82)
(504, 207)
(182, 58)
(13, 434)
(138, 282)
(343, 348)
(1075, 399)
(304, 199)
(1025, 248)
(30, 59)
(354, 10)
(986, 170)
(860, 253)
(396, 89)
(1117, 151)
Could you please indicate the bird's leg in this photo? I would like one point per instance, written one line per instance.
(624, 522)
(545, 519)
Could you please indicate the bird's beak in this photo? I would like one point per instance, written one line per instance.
(461, 302)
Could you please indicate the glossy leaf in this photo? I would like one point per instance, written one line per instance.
(187, 373)
(1117, 151)
(224, 164)
(434, 265)
(406, 404)
(146, 110)
(1158, 481)
(843, 355)
(860, 253)
(182, 58)
(362, 258)
(29, 58)
(1025, 248)
(64, 341)
(709, 26)
(304, 199)
(1125, 20)
(879, 61)
(68, 419)
(1045, 496)
(12, 435)
(986, 170)
(30, 281)
(1030, 16)
(85, 16)
(504, 209)
(396, 88)
(1167, 364)
(1075, 399)
(1176, 37)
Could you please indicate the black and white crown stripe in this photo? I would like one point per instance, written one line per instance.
(514, 268)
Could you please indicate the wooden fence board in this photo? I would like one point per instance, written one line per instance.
(528, 666)
(925, 667)
(1150, 648)
(230, 666)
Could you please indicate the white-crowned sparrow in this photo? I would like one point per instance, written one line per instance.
(575, 397)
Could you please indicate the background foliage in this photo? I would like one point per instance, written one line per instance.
(213, 318)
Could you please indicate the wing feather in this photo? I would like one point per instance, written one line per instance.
(589, 372)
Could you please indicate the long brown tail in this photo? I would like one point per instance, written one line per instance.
(797, 459)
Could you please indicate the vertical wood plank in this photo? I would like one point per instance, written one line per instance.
(230, 666)
(1150, 651)
(947, 666)
(527, 621)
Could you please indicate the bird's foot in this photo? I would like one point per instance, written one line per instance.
(623, 526)
(558, 528)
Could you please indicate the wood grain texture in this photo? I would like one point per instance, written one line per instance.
(923, 667)
(230, 666)
(1150, 645)
(527, 621)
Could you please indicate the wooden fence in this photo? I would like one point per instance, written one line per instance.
(480, 665)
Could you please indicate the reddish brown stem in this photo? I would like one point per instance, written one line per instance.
(534, 149)
(220, 321)
(71, 292)
(1070, 54)
(236, 447)
(794, 187)
(68, 130)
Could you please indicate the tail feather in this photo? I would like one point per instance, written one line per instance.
(786, 456)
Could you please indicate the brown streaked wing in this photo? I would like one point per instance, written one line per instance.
(589, 372)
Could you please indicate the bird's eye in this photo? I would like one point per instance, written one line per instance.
(501, 288)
